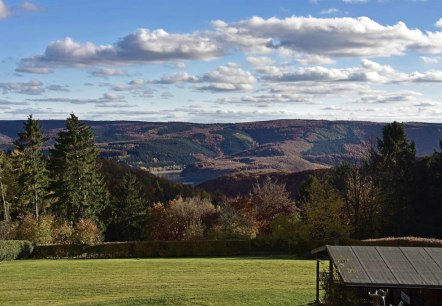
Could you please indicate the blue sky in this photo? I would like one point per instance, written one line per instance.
(222, 61)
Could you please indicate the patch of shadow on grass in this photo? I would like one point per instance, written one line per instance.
(275, 257)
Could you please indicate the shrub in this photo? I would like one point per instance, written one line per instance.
(63, 233)
(7, 230)
(234, 223)
(87, 232)
(27, 228)
(145, 249)
(290, 229)
(15, 249)
(194, 231)
(43, 233)
(170, 222)
(39, 232)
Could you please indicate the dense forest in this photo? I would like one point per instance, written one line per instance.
(70, 195)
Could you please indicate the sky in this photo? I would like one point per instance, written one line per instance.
(214, 61)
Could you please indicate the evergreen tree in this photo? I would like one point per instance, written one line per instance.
(392, 165)
(31, 168)
(78, 185)
(128, 213)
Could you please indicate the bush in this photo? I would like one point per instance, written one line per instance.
(145, 249)
(63, 233)
(15, 249)
(87, 232)
(7, 230)
(39, 232)
(27, 229)
(43, 233)
(171, 221)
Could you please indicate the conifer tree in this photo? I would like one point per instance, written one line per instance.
(78, 185)
(392, 166)
(32, 173)
(129, 210)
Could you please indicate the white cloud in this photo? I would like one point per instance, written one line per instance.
(31, 7)
(109, 72)
(4, 11)
(178, 77)
(260, 61)
(438, 23)
(330, 11)
(105, 98)
(34, 87)
(142, 46)
(230, 77)
(369, 72)
(389, 97)
(430, 59)
(311, 59)
(58, 88)
(266, 100)
(329, 37)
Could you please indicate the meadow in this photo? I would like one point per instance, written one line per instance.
(181, 281)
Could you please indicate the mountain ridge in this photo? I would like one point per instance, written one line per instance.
(206, 151)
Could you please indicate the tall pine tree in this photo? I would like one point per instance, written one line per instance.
(128, 213)
(78, 185)
(31, 168)
(392, 166)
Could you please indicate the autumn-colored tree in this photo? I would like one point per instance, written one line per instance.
(322, 209)
(362, 199)
(171, 221)
(270, 200)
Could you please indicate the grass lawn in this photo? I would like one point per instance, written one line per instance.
(183, 281)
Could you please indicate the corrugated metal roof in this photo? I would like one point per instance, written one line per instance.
(405, 267)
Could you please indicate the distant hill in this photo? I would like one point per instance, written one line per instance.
(206, 151)
(241, 184)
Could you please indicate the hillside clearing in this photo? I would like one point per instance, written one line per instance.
(184, 281)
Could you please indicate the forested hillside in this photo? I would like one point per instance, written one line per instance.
(206, 151)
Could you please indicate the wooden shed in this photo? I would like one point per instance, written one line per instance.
(411, 275)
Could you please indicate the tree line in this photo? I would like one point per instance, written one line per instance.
(59, 191)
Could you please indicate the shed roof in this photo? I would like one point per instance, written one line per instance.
(404, 267)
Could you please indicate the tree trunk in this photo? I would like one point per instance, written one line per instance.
(5, 207)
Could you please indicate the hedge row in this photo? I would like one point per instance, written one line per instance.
(141, 249)
(15, 249)
(398, 242)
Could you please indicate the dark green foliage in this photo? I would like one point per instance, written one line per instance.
(5, 184)
(153, 189)
(30, 167)
(127, 212)
(78, 186)
(15, 249)
(163, 152)
(322, 209)
(234, 141)
(146, 249)
(392, 165)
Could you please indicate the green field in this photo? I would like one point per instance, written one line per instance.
(184, 281)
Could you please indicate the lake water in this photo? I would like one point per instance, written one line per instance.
(174, 176)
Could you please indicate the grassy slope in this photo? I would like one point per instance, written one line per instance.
(204, 281)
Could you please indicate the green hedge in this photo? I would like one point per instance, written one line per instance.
(15, 249)
(398, 241)
(145, 249)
